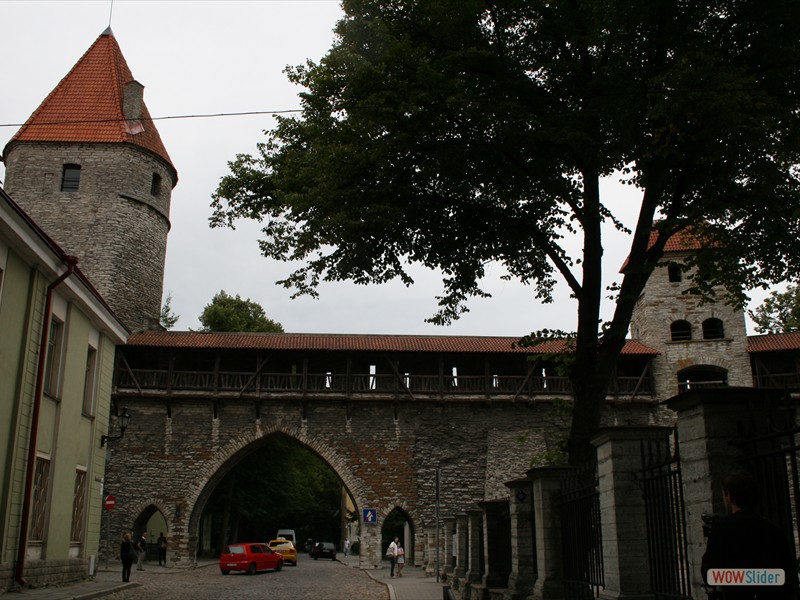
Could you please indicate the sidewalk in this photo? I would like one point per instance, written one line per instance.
(105, 582)
(415, 584)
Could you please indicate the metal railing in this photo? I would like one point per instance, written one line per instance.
(581, 536)
(667, 545)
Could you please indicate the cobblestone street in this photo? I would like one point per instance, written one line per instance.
(311, 580)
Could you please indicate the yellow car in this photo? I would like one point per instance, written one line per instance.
(286, 549)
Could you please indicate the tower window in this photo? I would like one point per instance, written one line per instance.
(713, 329)
(70, 178)
(674, 272)
(681, 331)
(155, 185)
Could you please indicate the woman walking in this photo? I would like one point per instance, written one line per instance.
(127, 554)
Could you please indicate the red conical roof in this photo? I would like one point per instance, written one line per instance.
(87, 105)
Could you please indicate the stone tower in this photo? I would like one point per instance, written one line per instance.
(701, 345)
(89, 166)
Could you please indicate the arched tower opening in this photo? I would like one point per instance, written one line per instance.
(702, 376)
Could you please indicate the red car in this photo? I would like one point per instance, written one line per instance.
(249, 557)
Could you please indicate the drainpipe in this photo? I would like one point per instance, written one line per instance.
(22, 546)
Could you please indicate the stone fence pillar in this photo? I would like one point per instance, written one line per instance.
(448, 529)
(462, 538)
(496, 543)
(546, 486)
(622, 510)
(523, 566)
(708, 420)
(475, 550)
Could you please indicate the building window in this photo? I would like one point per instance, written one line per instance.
(681, 331)
(78, 507)
(89, 385)
(713, 329)
(155, 185)
(70, 178)
(52, 369)
(674, 272)
(41, 485)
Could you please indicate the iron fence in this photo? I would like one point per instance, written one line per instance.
(773, 460)
(667, 546)
(581, 538)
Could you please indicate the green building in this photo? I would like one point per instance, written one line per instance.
(57, 344)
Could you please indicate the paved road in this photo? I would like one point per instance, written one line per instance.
(309, 580)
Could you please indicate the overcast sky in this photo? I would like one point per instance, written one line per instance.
(206, 58)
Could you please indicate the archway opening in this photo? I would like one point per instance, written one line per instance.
(397, 524)
(701, 377)
(152, 522)
(276, 484)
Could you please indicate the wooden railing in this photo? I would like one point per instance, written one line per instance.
(360, 384)
(789, 381)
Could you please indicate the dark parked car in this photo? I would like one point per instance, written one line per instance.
(249, 557)
(324, 550)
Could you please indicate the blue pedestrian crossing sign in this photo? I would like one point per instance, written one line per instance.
(369, 515)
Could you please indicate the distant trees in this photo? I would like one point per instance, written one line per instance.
(779, 313)
(168, 318)
(226, 313)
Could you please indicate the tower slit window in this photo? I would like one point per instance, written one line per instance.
(70, 178)
(155, 185)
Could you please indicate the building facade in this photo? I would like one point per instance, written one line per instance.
(57, 351)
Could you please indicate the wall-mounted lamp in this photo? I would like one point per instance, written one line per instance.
(124, 419)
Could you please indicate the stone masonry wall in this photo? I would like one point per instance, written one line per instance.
(386, 455)
(112, 223)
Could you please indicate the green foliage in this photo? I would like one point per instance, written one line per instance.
(779, 313)
(559, 416)
(226, 313)
(455, 133)
(282, 485)
(168, 318)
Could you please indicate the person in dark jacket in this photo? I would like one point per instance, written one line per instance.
(127, 554)
(744, 540)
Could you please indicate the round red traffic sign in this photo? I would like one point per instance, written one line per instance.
(110, 502)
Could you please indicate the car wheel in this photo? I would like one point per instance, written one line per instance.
(279, 565)
(333, 557)
(251, 570)
(225, 572)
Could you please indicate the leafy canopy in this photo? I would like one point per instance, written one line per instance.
(454, 133)
(226, 313)
(779, 313)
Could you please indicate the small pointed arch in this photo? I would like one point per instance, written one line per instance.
(713, 329)
(398, 524)
(152, 520)
(680, 331)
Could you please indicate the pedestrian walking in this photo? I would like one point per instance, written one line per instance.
(141, 549)
(162, 549)
(127, 554)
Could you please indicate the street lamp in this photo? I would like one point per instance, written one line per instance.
(124, 419)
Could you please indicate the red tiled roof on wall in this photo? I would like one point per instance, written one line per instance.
(774, 342)
(87, 105)
(354, 342)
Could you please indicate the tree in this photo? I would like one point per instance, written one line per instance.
(779, 313)
(453, 133)
(168, 318)
(226, 313)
